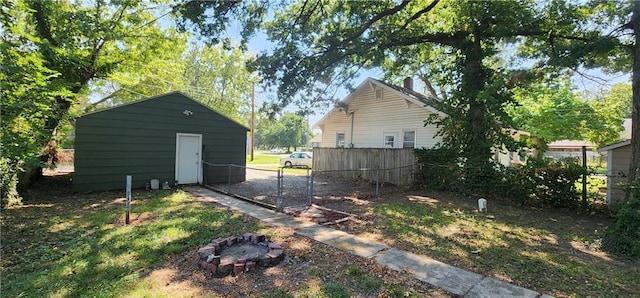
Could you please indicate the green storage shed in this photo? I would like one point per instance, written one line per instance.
(166, 137)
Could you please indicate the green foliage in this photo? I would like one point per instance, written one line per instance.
(439, 169)
(611, 109)
(617, 100)
(545, 181)
(622, 237)
(546, 109)
(51, 52)
(290, 130)
(444, 169)
(8, 183)
(457, 45)
(212, 75)
(542, 181)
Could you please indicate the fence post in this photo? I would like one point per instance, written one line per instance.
(310, 188)
(377, 182)
(279, 198)
(229, 174)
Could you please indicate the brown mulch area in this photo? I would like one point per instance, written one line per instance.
(308, 266)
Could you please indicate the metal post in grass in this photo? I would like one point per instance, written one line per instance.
(279, 198)
(128, 201)
(229, 182)
(309, 180)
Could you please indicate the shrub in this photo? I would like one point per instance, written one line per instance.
(541, 180)
(9, 183)
(546, 181)
(443, 169)
(622, 237)
(439, 169)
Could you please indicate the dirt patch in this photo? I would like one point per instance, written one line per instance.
(307, 267)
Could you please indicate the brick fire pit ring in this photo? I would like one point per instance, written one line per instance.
(234, 255)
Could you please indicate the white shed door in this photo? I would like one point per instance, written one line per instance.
(188, 156)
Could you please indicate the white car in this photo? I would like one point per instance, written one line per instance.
(276, 150)
(297, 159)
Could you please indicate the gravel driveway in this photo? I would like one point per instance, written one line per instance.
(262, 185)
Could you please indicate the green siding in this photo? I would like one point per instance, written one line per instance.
(140, 139)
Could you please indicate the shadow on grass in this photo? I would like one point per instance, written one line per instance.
(545, 250)
(78, 246)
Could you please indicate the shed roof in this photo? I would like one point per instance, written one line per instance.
(164, 95)
(615, 146)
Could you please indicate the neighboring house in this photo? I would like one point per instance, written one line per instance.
(316, 141)
(618, 161)
(165, 137)
(571, 149)
(380, 115)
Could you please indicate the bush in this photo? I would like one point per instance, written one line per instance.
(622, 237)
(546, 181)
(9, 183)
(443, 169)
(439, 169)
(541, 181)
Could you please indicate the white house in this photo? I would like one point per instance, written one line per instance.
(381, 115)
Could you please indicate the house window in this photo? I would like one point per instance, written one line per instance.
(389, 141)
(409, 139)
(340, 139)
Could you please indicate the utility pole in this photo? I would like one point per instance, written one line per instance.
(253, 118)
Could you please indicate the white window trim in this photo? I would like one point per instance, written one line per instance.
(415, 136)
(395, 139)
(344, 140)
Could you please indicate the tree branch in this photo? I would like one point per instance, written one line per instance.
(419, 14)
(373, 20)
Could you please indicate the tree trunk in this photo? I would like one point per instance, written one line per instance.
(478, 149)
(635, 115)
(538, 149)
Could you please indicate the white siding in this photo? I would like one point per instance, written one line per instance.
(619, 159)
(372, 118)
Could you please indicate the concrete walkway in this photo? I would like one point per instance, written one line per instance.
(454, 280)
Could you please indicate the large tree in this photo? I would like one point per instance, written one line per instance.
(319, 42)
(212, 75)
(290, 130)
(51, 52)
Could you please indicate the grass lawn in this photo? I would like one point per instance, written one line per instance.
(554, 252)
(76, 245)
(262, 157)
(265, 160)
(84, 249)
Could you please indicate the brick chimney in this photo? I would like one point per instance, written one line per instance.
(408, 83)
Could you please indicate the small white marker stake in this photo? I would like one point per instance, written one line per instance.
(128, 195)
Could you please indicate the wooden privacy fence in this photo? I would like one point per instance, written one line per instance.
(375, 164)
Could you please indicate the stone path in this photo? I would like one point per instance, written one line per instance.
(452, 279)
